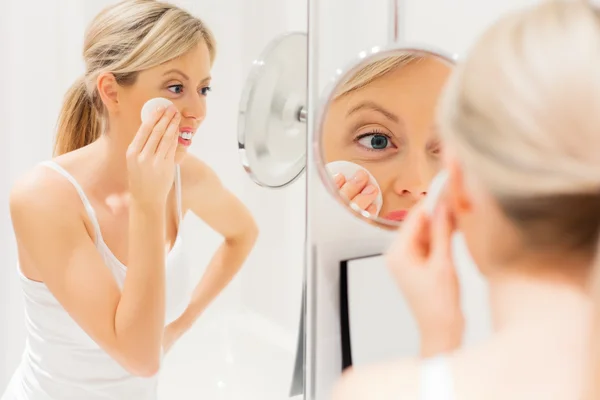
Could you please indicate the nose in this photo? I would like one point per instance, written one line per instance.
(414, 182)
(415, 189)
(194, 107)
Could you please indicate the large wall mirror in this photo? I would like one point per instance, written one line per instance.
(376, 152)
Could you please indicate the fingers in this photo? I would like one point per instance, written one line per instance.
(358, 190)
(158, 131)
(414, 219)
(339, 180)
(413, 236)
(169, 141)
(170, 154)
(355, 185)
(366, 197)
(140, 139)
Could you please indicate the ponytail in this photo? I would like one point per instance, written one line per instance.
(79, 123)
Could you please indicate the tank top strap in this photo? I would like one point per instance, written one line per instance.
(436, 379)
(84, 199)
(178, 192)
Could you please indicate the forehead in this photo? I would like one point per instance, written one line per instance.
(419, 82)
(195, 63)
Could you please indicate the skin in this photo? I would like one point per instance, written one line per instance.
(43, 202)
(529, 305)
(388, 127)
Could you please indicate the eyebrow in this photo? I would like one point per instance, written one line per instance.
(176, 71)
(184, 76)
(369, 105)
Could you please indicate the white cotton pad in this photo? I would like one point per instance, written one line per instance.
(152, 105)
(348, 169)
(435, 190)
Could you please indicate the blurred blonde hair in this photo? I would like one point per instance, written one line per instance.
(522, 114)
(124, 39)
(374, 70)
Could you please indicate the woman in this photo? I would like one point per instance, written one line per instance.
(382, 118)
(106, 285)
(521, 140)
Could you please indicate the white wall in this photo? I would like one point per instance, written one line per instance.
(41, 49)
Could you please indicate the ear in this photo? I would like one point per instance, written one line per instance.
(459, 196)
(108, 88)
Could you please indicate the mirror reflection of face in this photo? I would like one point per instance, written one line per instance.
(386, 125)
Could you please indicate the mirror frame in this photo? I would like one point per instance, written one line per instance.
(352, 67)
(255, 71)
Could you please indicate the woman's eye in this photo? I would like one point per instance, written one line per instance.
(176, 89)
(375, 141)
(436, 150)
(204, 91)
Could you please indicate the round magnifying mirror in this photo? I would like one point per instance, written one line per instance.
(272, 117)
(377, 142)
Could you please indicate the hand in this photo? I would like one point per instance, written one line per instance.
(151, 157)
(358, 190)
(172, 333)
(420, 259)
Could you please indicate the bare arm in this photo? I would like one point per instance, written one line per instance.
(227, 215)
(52, 238)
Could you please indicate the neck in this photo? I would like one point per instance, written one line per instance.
(110, 163)
(519, 299)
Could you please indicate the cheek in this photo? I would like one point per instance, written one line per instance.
(135, 98)
(435, 165)
(386, 172)
(130, 109)
(330, 142)
(469, 246)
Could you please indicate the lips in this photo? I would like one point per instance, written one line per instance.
(396, 215)
(185, 136)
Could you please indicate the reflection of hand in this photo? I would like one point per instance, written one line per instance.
(420, 260)
(358, 190)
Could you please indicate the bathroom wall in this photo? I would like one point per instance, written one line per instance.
(31, 69)
(5, 230)
(41, 56)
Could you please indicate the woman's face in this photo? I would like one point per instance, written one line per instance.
(388, 128)
(185, 81)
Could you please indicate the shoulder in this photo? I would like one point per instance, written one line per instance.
(196, 174)
(42, 192)
(388, 381)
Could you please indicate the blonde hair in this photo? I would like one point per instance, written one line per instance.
(375, 70)
(522, 114)
(124, 39)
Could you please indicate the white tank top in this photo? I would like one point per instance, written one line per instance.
(436, 382)
(60, 361)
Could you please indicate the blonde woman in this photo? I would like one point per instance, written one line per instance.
(382, 118)
(104, 278)
(520, 123)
